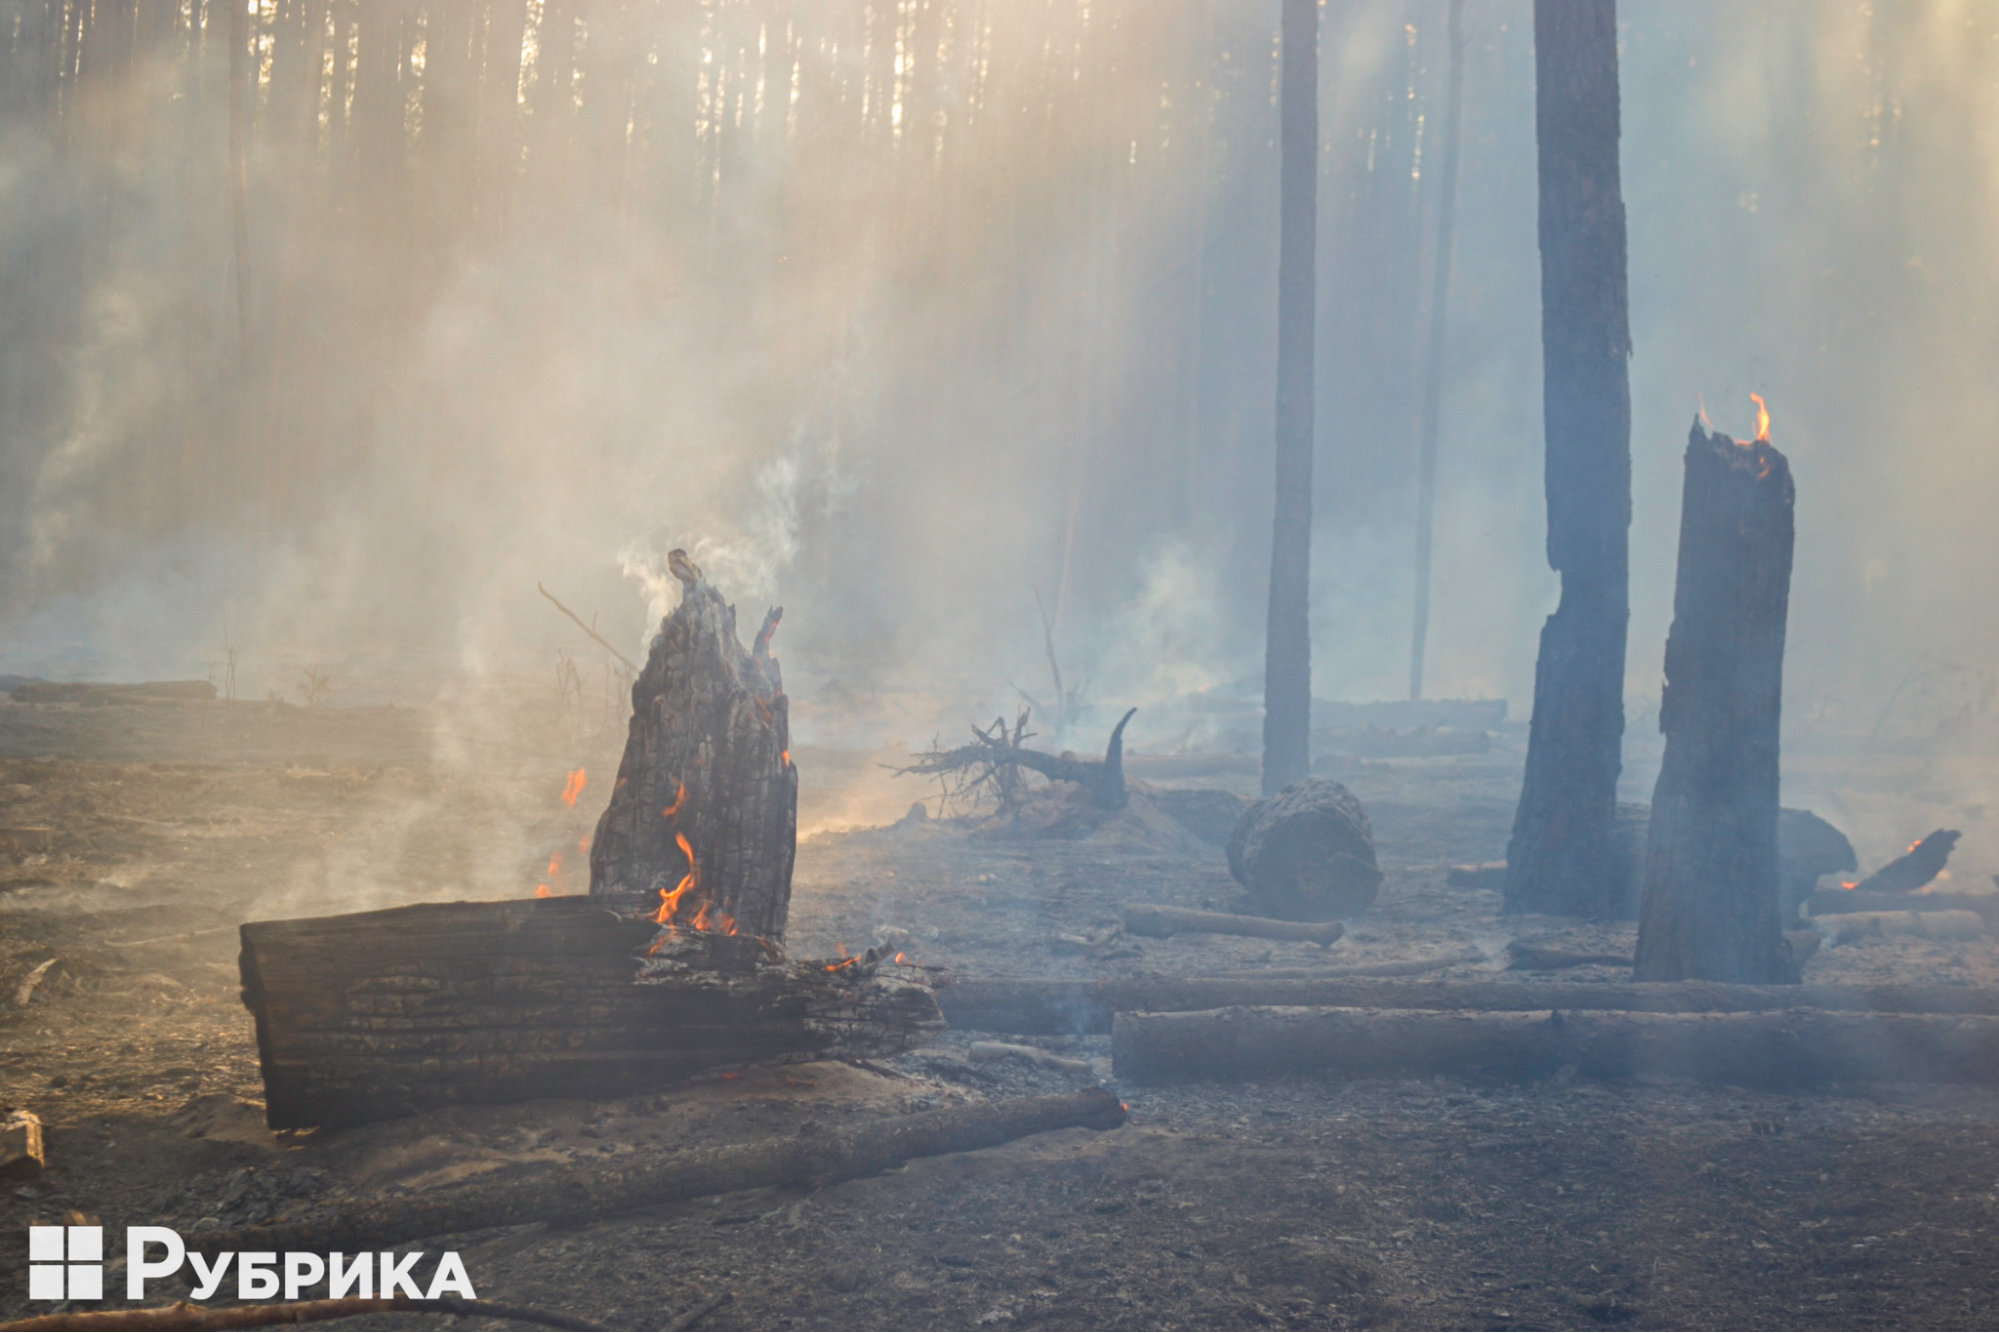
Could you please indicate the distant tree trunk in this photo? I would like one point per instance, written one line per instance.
(1709, 910)
(1287, 666)
(1433, 360)
(1559, 859)
(239, 169)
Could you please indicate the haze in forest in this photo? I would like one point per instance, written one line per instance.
(905, 315)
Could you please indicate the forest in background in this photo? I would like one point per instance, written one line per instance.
(904, 312)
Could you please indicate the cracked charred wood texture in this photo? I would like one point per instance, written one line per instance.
(1559, 857)
(1306, 854)
(374, 1015)
(1708, 909)
(702, 823)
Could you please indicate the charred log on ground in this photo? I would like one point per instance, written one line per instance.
(1709, 904)
(702, 826)
(1789, 1049)
(1923, 862)
(382, 1014)
(1306, 854)
(1049, 1008)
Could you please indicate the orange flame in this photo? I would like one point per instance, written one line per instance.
(543, 891)
(1762, 419)
(669, 901)
(679, 799)
(786, 756)
(573, 788)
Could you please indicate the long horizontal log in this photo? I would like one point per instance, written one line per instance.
(578, 1194)
(1164, 922)
(1838, 902)
(185, 1317)
(1797, 1047)
(381, 1014)
(1056, 1007)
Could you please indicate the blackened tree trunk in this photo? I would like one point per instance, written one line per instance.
(703, 821)
(1287, 663)
(1558, 860)
(1709, 907)
(1433, 358)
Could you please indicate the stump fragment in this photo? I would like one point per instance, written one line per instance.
(702, 826)
(1306, 854)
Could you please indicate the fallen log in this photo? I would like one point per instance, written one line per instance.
(1923, 862)
(1838, 902)
(1847, 927)
(1792, 1048)
(183, 1315)
(1047, 1008)
(381, 1014)
(1162, 923)
(1535, 958)
(645, 1180)
(1306, 853)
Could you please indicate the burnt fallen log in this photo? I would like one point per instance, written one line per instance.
(1048, 1008)
(381, 1014)
(1836, 902)
(1923, 862)
(1709, 905)
(643, 1180)
(1306, 853)
(1165, 922)
(1791, 1048)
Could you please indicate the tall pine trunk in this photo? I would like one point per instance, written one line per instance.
(1287, 666)
(1558, 860)
(1433, 357)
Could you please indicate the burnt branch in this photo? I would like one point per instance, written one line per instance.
(993, 751)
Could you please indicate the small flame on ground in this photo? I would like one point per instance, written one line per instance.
(573, 788)
(543, 891)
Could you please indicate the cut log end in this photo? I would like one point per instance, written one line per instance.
(1306, 854)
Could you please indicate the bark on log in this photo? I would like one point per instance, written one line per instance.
(1914, 868)
(1048, 1008)
(702, 825)
(1709, 904)
(382, 1014)
(1559, 853)
(591, 1193)
(1793, 1048)
(1165, 922)
(1306, 854)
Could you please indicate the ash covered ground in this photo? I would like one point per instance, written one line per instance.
(135, 838)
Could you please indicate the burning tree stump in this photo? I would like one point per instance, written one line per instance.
(1306, 854)
(373, 1015)
(702, 825)
(1709, 904)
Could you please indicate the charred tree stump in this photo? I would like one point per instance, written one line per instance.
(1559, 857)
(1709, 904)
(1306, 854)
(702, 825)
(381, 1014)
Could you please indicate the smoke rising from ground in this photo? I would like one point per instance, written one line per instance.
(902, 315)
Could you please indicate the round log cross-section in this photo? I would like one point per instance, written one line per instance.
(1306, 854)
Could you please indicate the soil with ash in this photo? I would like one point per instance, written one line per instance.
(133, 838)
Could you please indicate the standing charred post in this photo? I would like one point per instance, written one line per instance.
(1559, 857)
(702, 825)
(1287, 662)
(1709, 907)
